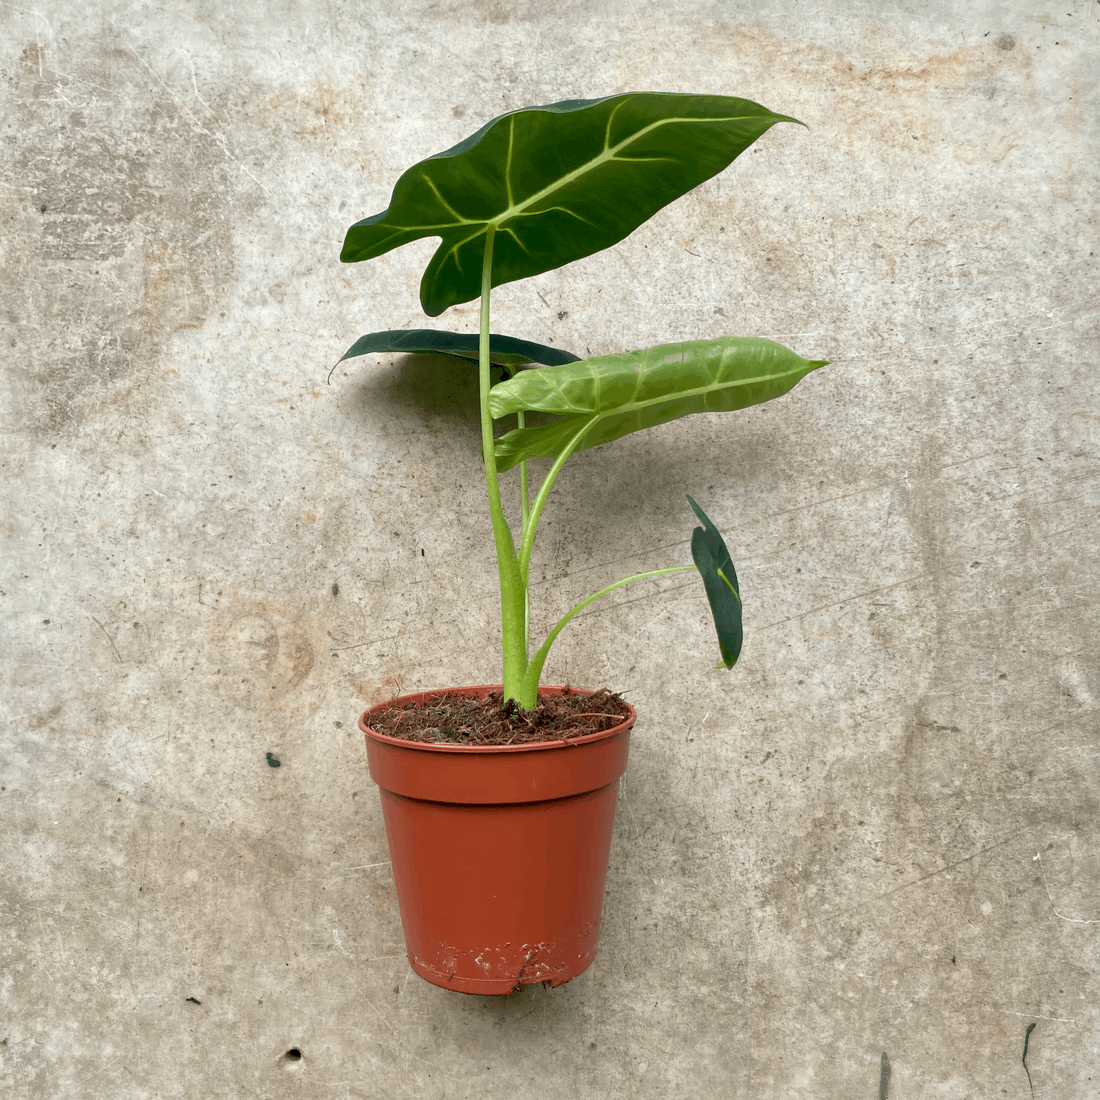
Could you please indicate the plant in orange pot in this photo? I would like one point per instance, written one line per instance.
(499, 801)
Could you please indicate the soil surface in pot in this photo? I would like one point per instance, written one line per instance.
(454, 719)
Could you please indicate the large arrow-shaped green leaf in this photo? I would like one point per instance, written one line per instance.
(619, 394)
(505, 351)
(556, 183)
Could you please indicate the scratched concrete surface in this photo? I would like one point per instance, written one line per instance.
(879, 834)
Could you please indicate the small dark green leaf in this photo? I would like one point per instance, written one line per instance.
(712, 559)
(506, 351)
(272, 761)
(555, 183)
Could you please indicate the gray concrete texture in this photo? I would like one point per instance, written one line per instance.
(879, 834)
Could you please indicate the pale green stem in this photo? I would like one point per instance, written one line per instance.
(527, 541)
(538, 658)
(524, 511)
(513, 610)
(524, 492)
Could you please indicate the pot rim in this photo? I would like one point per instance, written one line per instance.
(560, 744)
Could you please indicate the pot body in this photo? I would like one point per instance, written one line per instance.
(499, 852)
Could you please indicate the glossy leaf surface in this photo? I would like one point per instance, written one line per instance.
(712, 559)
(625, 393)
(556, 183)
(508, 351)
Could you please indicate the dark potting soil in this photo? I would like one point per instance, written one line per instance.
(454, 719)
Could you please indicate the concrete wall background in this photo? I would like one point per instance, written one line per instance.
(879, 833)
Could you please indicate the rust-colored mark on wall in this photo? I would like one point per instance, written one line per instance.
(979, 101)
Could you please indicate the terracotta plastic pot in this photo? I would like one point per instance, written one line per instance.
(499, 853)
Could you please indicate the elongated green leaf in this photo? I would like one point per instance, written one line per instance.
(620, 394)
(712, 559)
(556, 183)
(507, 351)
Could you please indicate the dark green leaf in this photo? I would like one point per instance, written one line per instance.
(712, 559)
(556, 183)
(620, 394)
(508, 351)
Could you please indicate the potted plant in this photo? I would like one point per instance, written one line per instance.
(500, 834)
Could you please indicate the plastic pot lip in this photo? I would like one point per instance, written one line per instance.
(487, 750)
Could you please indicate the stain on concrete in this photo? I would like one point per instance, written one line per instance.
(977, 101)
(261, 649)
(317, 112)
(120, 203)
